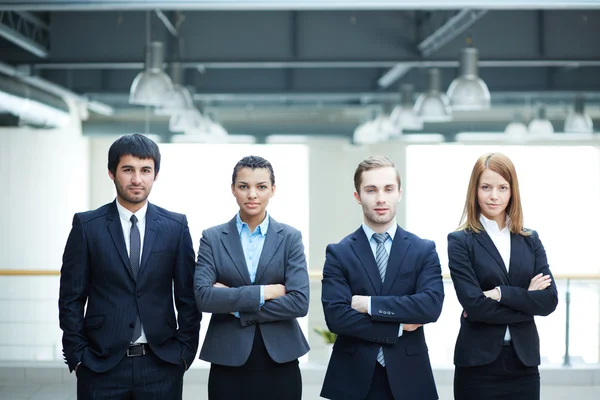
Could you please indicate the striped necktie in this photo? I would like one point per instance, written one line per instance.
(381, 258)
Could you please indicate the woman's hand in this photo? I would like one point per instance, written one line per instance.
(540, 282)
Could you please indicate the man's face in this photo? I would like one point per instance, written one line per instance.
(379, 196)
(133, 180)
(252, 191)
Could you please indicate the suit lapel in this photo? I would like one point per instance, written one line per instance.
(486, 242)
(152, 227)
(116, 233)
(517, 246)
(272, 242)
(363, 252)
(231, 241)
(399, 248)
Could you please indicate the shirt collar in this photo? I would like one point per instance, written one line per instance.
(492, 226)
(260, 229)
(126, 214)
(370, 232)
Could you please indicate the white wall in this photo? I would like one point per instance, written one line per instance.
(44, 181)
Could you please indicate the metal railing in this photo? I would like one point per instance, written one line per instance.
(317, 274)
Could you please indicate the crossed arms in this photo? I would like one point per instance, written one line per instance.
(282, 301)
(345, 313)
(506, 304)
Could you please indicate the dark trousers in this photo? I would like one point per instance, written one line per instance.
(504, 379)
(145, 377)
(260, 378)
(380, 386)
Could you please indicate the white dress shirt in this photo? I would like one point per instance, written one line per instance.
(501, 239)
(125, 216)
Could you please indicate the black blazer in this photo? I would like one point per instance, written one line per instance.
(476, 266)
(413, 292)
(96, 270)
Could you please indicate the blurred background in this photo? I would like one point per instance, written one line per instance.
(314, 87)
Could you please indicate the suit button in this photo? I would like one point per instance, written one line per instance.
(380, 312)
(131, 325)
(393, 313)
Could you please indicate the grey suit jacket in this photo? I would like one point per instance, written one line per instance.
(221, 259)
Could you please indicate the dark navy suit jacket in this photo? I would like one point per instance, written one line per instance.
(96, 270)
(476, 266)
(413, 292)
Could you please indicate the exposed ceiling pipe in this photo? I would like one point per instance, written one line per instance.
(40, 83)
(32, 105)
(329, 5)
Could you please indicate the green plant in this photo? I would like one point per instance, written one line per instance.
(328, 336)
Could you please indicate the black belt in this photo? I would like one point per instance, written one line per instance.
(138, 349)
(507, 343)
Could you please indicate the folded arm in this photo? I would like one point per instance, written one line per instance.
(187, 313)
(341, 318)
(425, 305)
(74, 289)
(533, 302)
(294, 303)
(220, 300)
(470, 295)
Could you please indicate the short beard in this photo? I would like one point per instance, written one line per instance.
(126, 197)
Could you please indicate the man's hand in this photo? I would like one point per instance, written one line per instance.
(220, 285)
(540, 282)
(274, 291)
(411, 327)
(360, 303)
(493, 294)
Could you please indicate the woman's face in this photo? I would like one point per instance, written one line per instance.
(493, 196)
(252, 191)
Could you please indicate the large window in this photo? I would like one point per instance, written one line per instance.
(560, 191)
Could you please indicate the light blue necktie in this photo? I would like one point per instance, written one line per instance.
(381, 258)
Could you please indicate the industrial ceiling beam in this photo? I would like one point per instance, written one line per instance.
(114, 5)
(453, 27)
(274, 64)
(26, 31)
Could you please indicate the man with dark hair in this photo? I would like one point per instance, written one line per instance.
(381, 284)
(129, 260)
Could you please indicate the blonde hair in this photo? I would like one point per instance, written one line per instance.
(503, 166)
(370, 163)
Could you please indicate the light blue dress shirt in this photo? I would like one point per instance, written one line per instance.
(388, 247)
(252, 244)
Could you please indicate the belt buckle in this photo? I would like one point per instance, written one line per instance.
(129, 354)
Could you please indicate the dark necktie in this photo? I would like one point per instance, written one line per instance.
(134, 260)
(381, 257)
